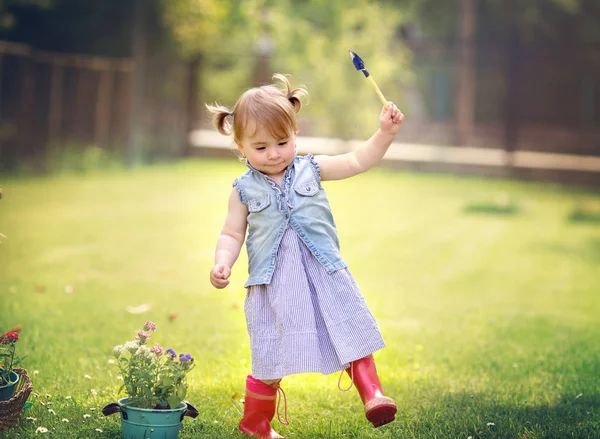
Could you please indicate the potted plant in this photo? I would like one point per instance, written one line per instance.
(154, 380)
(8, 377)
(15, 385)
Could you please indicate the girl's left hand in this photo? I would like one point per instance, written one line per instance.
(390, 119)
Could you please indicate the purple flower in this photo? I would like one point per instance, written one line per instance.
(171, 352)
(185, 358)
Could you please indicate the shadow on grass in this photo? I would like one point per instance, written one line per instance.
(491, 209)
(475, 415)
(520, 400)
(588, 250)
(501, 204)
(584, 215)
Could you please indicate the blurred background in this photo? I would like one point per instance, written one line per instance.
(486, 288)
(494, 87)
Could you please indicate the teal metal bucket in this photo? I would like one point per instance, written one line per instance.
(139, 423)
(8, 390)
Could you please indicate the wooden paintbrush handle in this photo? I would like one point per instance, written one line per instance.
(374, 85)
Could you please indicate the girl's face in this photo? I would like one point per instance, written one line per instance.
(268, 154)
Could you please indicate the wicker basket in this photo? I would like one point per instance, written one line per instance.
(10, 410)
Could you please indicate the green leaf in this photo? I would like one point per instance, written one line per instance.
(166, 382)
(173, 401)
(181, 392)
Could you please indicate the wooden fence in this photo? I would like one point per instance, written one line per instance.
(49, 100)
(526, 97)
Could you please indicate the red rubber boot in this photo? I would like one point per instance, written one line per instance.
(259, 409)
(379, 409)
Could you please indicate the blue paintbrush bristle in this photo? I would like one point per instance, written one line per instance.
(358, 63)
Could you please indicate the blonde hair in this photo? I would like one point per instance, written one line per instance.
(269, 106)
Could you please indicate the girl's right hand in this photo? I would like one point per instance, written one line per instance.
(219, 276)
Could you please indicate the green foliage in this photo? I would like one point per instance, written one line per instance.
(498, 18)
(152, 378)
(77, 158)
(8, 19)
(315, 51)
(72, 158)
(308, 40)
(196, 24)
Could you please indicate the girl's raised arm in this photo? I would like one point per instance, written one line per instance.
(368, 154)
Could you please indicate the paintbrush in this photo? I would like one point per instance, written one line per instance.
(360, 66)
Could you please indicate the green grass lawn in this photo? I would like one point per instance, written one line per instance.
(487, 294)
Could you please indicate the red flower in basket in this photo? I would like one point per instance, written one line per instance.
(7, 355)
(9, 337)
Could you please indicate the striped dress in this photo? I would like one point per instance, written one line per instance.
(307, 320)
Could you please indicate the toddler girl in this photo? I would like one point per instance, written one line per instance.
(304, 311)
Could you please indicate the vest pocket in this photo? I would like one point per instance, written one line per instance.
(259, 203)
(308, 187)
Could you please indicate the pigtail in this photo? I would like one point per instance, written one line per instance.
(296, 95)
(219, 115)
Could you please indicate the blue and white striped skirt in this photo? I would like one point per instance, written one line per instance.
(307, 320)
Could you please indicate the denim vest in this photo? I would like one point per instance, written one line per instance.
(300, 202)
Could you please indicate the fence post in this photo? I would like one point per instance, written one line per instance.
(136, 107)
(103, 104)
(465, 96)
(56, 102)
(26, 115)
(511, 109)
(191, 109)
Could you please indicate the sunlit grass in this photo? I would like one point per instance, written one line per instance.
(491, 318)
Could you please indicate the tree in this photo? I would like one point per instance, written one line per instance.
(505, 30)
(101, 28)
(309, 39)
(438, 19)
(8, 18)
